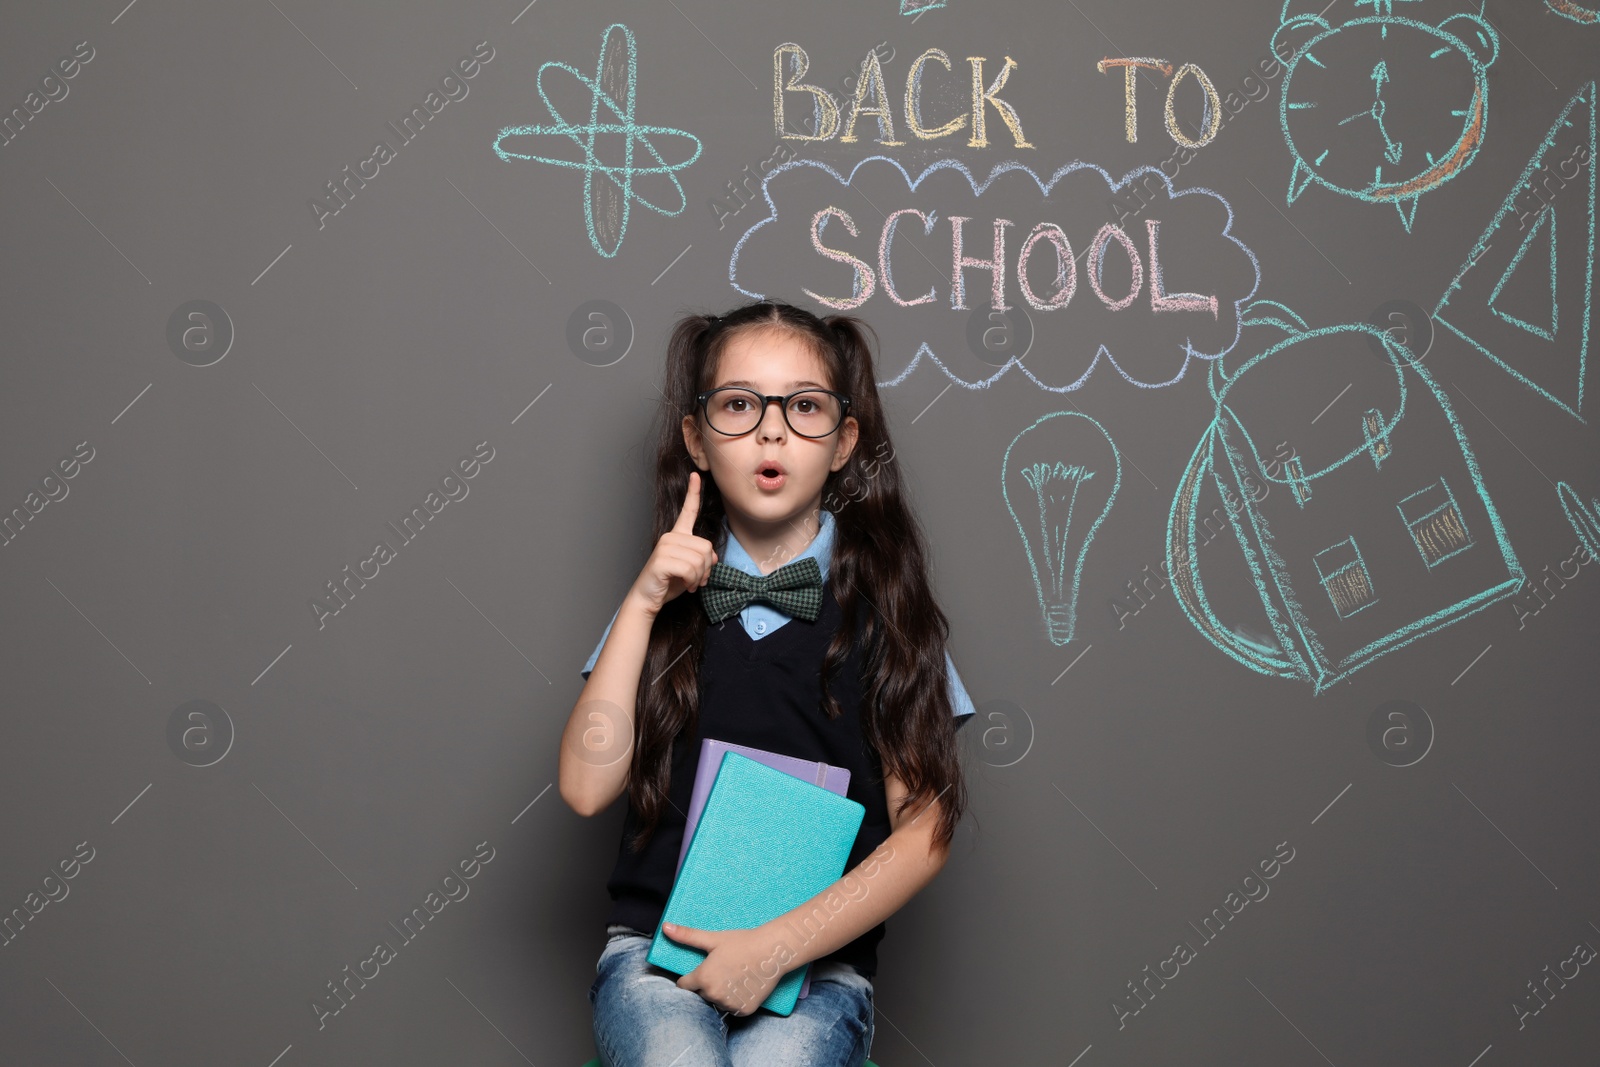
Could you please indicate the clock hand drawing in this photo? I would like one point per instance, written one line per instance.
(1391, 148)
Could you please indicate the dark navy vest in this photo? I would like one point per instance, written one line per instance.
(766, 694)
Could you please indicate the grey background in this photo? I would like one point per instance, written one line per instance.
(1113, 805)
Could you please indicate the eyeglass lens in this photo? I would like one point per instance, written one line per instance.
(735, 411)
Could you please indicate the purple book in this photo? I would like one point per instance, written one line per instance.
(833, 779)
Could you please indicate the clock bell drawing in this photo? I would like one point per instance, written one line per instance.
(1383, 107)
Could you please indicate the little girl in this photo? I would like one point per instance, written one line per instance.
(842, 660)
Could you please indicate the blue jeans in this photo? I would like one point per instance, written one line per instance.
(643, 1019)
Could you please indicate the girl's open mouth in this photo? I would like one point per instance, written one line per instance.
(770, 478)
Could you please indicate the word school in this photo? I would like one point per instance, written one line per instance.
(868, 281)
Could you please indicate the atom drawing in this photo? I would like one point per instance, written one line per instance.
(606, 203)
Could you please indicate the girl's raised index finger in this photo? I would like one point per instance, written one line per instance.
(691, 506)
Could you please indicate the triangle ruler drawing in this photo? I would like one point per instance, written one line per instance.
(1524, 296)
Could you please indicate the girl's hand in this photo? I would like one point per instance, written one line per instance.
(741, 967)
(680, 561)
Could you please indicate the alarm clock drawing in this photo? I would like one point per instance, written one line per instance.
(1384, 108)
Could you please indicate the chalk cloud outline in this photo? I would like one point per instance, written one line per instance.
(924, 350)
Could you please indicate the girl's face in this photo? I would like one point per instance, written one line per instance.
(773, 362)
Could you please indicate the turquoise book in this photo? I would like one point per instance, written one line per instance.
(766, 843)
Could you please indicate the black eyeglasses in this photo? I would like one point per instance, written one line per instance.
(734, 411)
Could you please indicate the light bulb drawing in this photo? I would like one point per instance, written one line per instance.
(1059, 486)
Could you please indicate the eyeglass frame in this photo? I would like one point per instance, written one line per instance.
(701, 400)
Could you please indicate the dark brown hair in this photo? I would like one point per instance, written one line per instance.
(878, 576)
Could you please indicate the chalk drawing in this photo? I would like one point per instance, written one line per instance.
(1147, 285)
(1345, 577)
(1210, 118)
(1377, 436)
(1429, 104)
(1584, 517)
(1374, 598)
(1547, 346)
(1059, 478)
(1435, 522)
(1587, 16)
(1545, 235)
(1131, 65)
(607, 202)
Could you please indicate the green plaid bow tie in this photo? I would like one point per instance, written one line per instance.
(794, 589)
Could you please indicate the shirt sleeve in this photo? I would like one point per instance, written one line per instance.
(595, 655)
(962, 703)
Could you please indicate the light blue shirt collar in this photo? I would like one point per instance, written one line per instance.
(821, 548)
